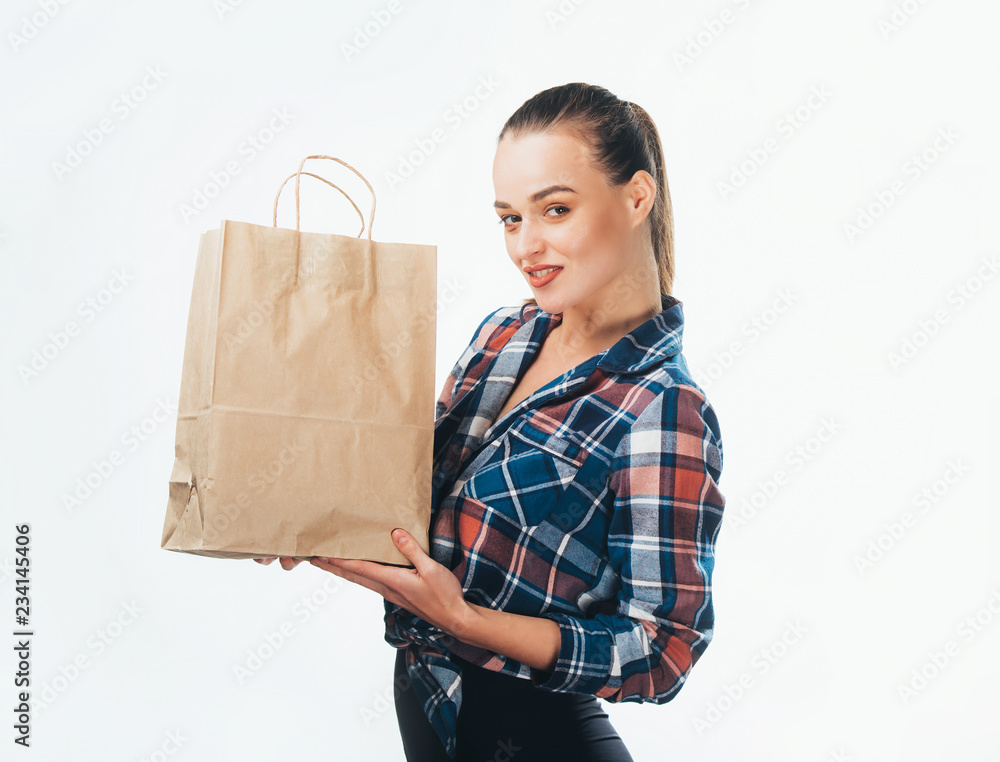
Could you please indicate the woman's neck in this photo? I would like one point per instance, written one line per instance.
(584, 331)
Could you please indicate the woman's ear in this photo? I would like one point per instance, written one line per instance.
(641, 194)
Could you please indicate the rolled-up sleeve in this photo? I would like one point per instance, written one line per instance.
(661, 542)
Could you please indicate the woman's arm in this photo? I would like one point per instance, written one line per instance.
(432, 592)
(661, 544)
(531, 640)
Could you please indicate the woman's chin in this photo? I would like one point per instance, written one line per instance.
(549, 303)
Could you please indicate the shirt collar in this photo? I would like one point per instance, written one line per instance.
(648, 345)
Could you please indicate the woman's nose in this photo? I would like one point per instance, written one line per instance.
(529, 240)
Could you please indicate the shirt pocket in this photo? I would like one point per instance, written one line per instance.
(528, 473)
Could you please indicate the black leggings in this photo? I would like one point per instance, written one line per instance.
(507, 718)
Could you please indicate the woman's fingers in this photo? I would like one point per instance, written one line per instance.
(287, 562)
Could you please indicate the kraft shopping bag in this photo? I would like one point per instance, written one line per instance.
(305, 420)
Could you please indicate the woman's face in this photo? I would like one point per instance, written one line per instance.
(558, 211)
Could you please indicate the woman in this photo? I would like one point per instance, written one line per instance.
(576, 467)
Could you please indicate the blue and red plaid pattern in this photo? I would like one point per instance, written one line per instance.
(593, 502)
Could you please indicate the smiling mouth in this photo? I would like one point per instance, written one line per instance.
(542, 278)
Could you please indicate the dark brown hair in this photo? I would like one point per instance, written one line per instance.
(622, 138)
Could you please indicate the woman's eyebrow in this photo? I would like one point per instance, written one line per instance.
(537, 196)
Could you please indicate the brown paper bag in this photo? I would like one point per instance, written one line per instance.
(305, 422)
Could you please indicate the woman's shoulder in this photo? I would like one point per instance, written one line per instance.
(500, 324)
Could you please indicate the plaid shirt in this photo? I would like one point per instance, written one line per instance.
(594, 502)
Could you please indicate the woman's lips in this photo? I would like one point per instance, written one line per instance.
(539, 281)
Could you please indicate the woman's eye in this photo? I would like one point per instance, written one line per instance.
(510, 219)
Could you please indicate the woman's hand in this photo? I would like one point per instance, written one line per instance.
(287, 562)
(430, 590)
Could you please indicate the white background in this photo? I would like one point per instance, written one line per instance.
(828, 442)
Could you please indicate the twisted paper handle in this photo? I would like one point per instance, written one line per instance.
(298, 174)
